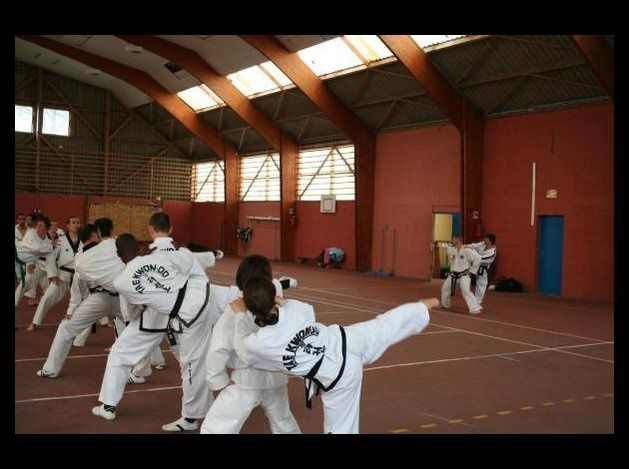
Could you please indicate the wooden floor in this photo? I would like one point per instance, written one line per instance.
(527, 364)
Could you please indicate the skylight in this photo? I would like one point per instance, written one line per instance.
(431, 40)
(330, 56)
(259, 79)
(200, 98)
(370, 47)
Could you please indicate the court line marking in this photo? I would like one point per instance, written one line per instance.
(475, 357)
(75, 356)
(534, 303)
(474, 318)
(78, 396)
(557, 349)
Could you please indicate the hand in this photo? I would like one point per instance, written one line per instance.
(279, 300)
(55, 242)
(55, 280)
(238, 306)
(30, 268)
(430, 302)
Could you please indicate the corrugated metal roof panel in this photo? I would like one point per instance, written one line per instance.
(372, 115)
(405, 113)
(483, 97)
(267, 103)
(535, 92)
(319, 127)
(453, 62)
(292, 127)
(296, 104)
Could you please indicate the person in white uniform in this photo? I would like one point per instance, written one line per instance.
(247, 387)
(180, 301)
(32, 252)
(24, 223)
(463, 263)
(98, 265)
(330, 358)
(60, 270)
(487, 251)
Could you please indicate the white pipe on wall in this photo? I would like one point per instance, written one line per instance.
(533, 198)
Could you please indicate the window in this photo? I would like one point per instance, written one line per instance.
(370, 47)
(208, 182)
(200, 98)
(327, 171)
(260, 178)
(23, 119)
(56, 122)
(431, 40)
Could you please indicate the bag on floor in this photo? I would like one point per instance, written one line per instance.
(509, 285)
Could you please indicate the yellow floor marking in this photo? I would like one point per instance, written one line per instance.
(399, 430)
(429, 425)
(568, 400)
(505, 412)
(589, 398)
(483, 416)
(548, 404)
(456, 421)
(528, 407)
(611, 394)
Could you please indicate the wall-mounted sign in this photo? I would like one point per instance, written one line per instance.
(551, 194)
(475, 215)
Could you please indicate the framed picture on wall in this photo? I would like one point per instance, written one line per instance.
(328, 204)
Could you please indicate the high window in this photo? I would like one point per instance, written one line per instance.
(56, 122)
(327, 171)
(260, 178)
(200, 98)
(208, 182)
(23, 119)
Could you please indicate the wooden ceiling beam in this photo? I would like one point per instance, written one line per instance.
(599, 55)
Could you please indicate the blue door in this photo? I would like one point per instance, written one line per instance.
(550, 255)
(456, 223)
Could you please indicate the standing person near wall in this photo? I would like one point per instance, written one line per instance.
(463, 263)
(487, 251)
(60, 270)
(329, 358)
(31, 253)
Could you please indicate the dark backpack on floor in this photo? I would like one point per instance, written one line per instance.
(509, 284)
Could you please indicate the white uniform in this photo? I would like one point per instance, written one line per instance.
(20, 269)
(32, 250)
(59, 263)
(251, 387)
(155, 281)
(98, 265)
(300, 346)
(462, 263)
(487, 256)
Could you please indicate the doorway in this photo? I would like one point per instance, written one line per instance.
(550, 255)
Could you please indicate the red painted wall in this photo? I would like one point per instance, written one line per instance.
(316, 231)
(417, 172)
(59, 207)
(580, 165)
(265, 239)
(206, 224)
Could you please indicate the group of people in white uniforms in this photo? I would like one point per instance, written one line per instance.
(466, 261)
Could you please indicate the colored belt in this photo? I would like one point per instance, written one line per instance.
(454, 278)
(100, 289)
(22, 268)
(309, 379)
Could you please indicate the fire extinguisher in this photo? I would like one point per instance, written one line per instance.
(292, 217)
(478, 229)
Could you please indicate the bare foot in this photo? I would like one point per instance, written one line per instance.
(31, 327)
(107, 350)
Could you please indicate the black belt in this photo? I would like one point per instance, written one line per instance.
(99, 289)
(454, 278)
(42, 258)
(310, 377)
(67, 269)
(482, 269)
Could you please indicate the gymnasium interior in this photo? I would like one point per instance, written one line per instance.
(349, 162)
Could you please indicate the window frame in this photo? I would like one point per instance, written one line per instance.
(332, 149)
(196, 191)
(272, 156)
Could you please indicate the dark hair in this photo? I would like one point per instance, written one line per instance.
(252, 267)
(457, 235)
(127, 246)
(104, 226)
(22, 214)
(160, 221)
(43, 219)
(86, 232)
(259, 296)
(73, 216)
(491, 237)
